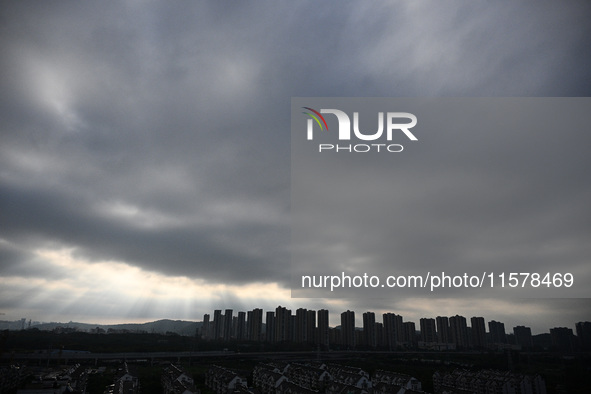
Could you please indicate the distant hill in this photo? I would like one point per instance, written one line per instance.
(180, 327)
(12, 325)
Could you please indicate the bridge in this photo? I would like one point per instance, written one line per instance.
(66, 357)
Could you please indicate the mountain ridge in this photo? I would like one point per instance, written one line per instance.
(162, 326)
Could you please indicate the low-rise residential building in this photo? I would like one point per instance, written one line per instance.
(487, 381)
(388, 388)
(312, 377)
(68, 379)
(125, 383)
(341, 388)
(176, 381)
(222, 380)
(395, 378)
(128, 382)
(287, 387)
(12, 377)
(267, 378)
(296, 378)
(351, 376)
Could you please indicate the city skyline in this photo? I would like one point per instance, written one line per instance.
(145, 155)
(329, 320)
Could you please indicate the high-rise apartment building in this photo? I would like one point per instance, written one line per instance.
(523, 337)
(380, 334)
(301, 325)
(311, 326)
(478, 332)
(348, 329)
(227, 333)
(563, 339)
(443, 333)
(497, 332)
(270, 327)
(428, 330)
(369, 329)
(459, 331)
(218, 324)
(584, 334)
(282, 324)
(205, 327)
(323, 329)
(254, 325)
(410, 334)
(241, 326)
(393, 330)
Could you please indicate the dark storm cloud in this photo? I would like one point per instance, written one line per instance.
(158, 134)
(174, 136)
(242, 246)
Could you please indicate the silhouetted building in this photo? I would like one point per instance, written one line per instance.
(218, 324)
(241, 326)
(523, 337)
(291, 328)
(301, 325)
(478, 332)
(282, 324)
(393, 330)
(428, 330)
(563, 339)
(380, 335)
(410, 334)
(348, 329)
(254, 324)
(584, 335)
(270, 327)
(369, 329)
(459, 331)
(205, 328)
(227, 324)
(323, 328)
(443, 334)
(311, 326)
(497, 332)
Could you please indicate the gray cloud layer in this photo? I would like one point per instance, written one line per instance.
(492, 185)
(158, 134)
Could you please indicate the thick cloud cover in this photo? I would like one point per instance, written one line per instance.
(492, 185)
(157, 135)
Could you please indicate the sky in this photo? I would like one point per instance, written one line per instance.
(145, 158)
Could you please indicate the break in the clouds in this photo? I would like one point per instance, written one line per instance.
(154, 139)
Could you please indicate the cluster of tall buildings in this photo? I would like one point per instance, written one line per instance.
(391, 333)
(454, 332)
(306, 326)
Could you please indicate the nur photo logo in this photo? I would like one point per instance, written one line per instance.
(396, 124)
